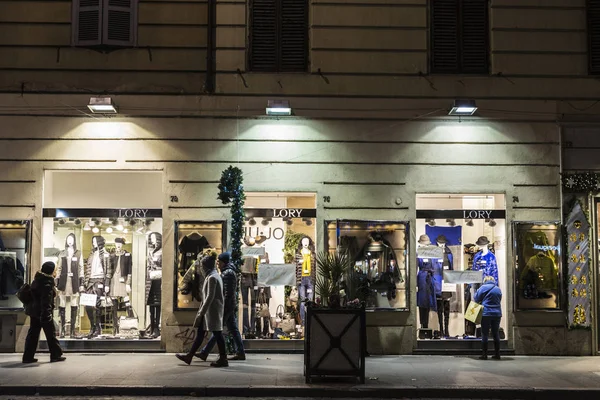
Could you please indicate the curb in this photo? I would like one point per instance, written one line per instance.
(308, 391)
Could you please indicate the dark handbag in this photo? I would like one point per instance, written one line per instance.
(263, 311)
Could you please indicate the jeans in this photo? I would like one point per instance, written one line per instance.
(305, 291)
(494, 323)
(230, 322)
(218, 335)
(33, 337)
(249, 310)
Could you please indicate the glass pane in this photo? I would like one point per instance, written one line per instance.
(14, 253)
(378, 251)
(193, 237)
(537, 252)
(96, 254)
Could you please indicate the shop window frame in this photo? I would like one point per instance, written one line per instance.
(407, 256)
(177, 238)
(561, 302)
(28, 224)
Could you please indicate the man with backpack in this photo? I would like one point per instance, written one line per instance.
(39, 305)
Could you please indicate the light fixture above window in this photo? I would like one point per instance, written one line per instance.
(463, 108)
(102, 105)
(278, 108)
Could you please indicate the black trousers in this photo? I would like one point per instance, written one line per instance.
(494, 323)
(424, 317)
(217, 335)
(33, 337)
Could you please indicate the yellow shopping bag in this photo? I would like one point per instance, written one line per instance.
(474, 312)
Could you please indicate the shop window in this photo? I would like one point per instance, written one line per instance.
(192, 238)
(14, 261)
(279, 264)
(278, 36)
(459, 36)
(461, 239)
(109, 271)
(104, 23)
(538, 262)
(377, 250)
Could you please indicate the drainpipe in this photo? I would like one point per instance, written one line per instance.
(211, 43)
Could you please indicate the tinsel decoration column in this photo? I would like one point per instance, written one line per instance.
(231, 190)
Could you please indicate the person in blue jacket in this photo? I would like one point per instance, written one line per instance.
(489, 296)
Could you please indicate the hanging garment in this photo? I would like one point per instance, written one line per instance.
(426, 291)
(189, 248)
(540, 271)
(486, 263)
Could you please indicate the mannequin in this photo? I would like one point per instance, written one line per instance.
(485, 261)
(249, 289)
(426, 300)
(443, 298)
(154, 281)
(305, 273)
(189, 247)
(69, 277)
(120, 285)
(97, 276)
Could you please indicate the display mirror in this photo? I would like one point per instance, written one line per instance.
(378, 253)
(191, 238)
(538, 265)
(14, 259)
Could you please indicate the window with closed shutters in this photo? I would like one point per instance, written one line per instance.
(593, 28)
(459, 36)
(109, 23)
(278, 36)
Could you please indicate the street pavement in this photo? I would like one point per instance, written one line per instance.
(281, 376)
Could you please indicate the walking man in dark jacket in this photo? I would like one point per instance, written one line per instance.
(40, 312)
(229, 275)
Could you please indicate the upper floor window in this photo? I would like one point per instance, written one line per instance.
(459, 36)
(278, 35)
(593, 28)
(104, 23)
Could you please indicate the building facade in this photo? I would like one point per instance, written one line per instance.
(370, 143)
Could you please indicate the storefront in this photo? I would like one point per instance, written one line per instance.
(329, 182)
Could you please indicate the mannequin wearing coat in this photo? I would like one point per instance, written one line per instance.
(210, 313)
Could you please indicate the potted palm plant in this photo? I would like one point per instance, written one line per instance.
(335, 337)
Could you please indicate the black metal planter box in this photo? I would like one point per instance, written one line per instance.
(335, 343)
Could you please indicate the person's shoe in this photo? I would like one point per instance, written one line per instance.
(220, 363)
(186, 358)
(156, 333)
(483, 357)
(30, 361)
(58, 359)
(496, 357)
(201, 356)
(3, 297)
(238, 357)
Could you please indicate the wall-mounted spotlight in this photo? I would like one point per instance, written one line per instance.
(109, 230)
(266, 221)
(451, 222)
(251, 222)
(491, 222)
(463, 107)
(77, 221)
(288, 221)
(430, 222)
(62, 221)
(102, 105)
(95, 229)
(470, 222)
(278, 108)
(87, 227)
(307, 221)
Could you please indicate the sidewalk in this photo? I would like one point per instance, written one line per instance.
(279, 375)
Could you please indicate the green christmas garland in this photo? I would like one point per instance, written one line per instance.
(231, 190)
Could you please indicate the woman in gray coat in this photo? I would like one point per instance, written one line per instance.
(210, 313)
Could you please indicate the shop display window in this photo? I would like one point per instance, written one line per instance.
(279, 264)
(15, 243)
(538, 265)
(461, 238)
(191, 238)
(108, 274)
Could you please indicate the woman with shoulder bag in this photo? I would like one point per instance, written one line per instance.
(489, 296)
(210, 313)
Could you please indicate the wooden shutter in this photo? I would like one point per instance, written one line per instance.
(119, 23)
(263, 35)
(474, 37)
(87, 22)
(444, 54)
(293, 50)
(593, 27)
